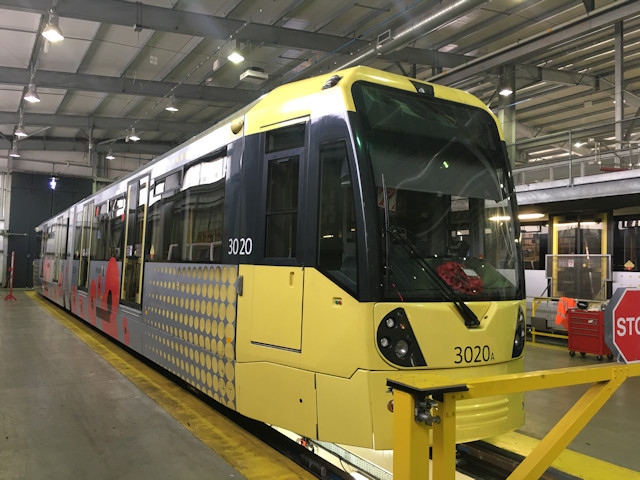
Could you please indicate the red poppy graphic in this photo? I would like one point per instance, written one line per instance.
(454, 275)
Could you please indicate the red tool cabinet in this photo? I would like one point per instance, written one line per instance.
(586, 333)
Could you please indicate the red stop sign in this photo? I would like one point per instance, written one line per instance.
(622, 324)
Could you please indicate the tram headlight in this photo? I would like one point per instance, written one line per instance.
(520, 335)
(401, 348)
(397, 342)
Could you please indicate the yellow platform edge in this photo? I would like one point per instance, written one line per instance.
(248, 455)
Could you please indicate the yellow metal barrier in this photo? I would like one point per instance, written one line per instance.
(425, 405)
(535, 333)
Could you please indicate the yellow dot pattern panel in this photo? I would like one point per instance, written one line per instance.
(191, 327)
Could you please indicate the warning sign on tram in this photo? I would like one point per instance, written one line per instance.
(622, 324)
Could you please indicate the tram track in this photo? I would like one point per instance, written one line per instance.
(483, 461)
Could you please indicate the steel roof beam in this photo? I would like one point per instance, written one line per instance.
(605, 16)
(76, 145)
(117, 12)
(149, 88)
(176, 21)
(527, 75)
(101, 123)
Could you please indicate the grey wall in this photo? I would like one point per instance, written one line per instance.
(33, 201)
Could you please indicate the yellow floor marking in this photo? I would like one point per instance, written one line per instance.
(248, 455)
(573, 463)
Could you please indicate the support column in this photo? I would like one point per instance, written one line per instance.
(619, 86)
(507, 109)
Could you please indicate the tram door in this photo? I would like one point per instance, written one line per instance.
(83, 222)
(281, 280)
(135, 229)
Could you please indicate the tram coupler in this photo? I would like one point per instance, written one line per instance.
(423, 412)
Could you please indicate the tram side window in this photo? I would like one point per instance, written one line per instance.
(60, 234)
(61, 242)
(116, 227)
(337, 246)
(77, 236)
(282, 207)
(43, 243)
(203, 223)
(85, 244)
(163, 224)
(50, 241)
(185, 224)
(109, 227)
(285, 138)
(99, 232)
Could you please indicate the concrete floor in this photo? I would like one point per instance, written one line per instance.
(65, 413)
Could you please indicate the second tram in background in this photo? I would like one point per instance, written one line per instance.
(337, 232)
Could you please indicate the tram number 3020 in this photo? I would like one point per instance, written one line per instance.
(240, 246)
(473, 354)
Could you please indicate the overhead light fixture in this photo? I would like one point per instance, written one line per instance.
(171, 107)
(14, 153)
(530, 216)
(133, 137)
(20, 132)
(53, 182)
(51, 31)
(235, 57)
(110, 155)
(505, 92)
(254, 75)
(32, 96)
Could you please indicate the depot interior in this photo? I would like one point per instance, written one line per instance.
(121, 82)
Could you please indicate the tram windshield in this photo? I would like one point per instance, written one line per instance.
(444, 199)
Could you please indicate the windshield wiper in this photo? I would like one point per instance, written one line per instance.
(470, 318)
(387, 242)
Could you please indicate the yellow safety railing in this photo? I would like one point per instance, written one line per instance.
(424, 405)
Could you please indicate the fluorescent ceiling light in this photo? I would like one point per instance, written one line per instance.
(20, 132)
(14, 151)
(530, 216)
(172, 105)
(505, 92)
(235, 57)
(51, 31)
(110, 155)
(133, 137)
(32, 96)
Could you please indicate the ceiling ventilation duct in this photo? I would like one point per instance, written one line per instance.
(254, 75)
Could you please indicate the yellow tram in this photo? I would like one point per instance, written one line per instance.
(339, 231)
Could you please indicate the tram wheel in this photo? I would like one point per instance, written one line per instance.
(572, 353)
